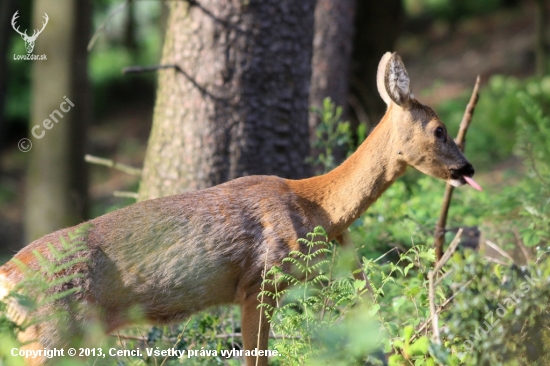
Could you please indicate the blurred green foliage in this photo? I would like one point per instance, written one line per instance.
(451, 10)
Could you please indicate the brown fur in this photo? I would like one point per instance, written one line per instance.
(174, 256)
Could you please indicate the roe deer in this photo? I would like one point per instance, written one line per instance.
(174, 256)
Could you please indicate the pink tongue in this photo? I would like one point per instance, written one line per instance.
(472, 182)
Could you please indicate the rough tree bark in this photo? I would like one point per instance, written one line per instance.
(332, 47)
(56, 181)
(237, 102)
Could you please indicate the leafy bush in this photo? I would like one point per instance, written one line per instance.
(488, 313)
(331, 134)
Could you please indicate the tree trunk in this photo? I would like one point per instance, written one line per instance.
(237, 103)
(540, 37)
(377, 24)
(56, 180)
(7, 9)
(332, 46)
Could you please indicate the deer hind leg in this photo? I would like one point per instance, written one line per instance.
(45, 329)
(30, 336)
(255, 328)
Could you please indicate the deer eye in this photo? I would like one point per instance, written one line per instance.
(439, 132)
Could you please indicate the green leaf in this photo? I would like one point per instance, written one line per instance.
(419, 347)
(398, 301)
(408, 331)
(358, 285)
(406, 270)
(374, 309)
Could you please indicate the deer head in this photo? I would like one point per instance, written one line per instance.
(420, 139)
(29, 41)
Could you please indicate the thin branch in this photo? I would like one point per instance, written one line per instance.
(526, 253)
(460, 141)
(439, 310)
(388, 252)
(431, 285)
(140, 69)
(104, 24)
(499, 250)
(178, 340)
(433, 312)
(442, 277)
(112, 164)
(541, 256)
(124, 194)
(449, 252)
(497, 261)
(468, 114)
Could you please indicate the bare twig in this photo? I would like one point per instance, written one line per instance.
(104, 24)
(460, 141)
(526, 252)
(449, 252)
(433, 312)
(542, 256)
(439, 310)
(112, 164)
(497, 261)
(442, 277)
(140, 69)
(124, 194)
(431, 285)
(388, 252)
(178, 340)
(499, 250)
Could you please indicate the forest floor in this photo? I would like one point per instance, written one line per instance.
(441, 63)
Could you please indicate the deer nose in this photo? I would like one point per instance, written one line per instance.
(467, 170)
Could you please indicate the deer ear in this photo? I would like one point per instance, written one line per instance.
(392, 80)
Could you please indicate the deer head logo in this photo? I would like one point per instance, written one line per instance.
(29, 41)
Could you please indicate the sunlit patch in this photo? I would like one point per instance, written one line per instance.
(4, 290)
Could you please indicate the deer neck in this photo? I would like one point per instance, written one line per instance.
(343, 194)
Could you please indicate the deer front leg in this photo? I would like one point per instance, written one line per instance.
(255, 329)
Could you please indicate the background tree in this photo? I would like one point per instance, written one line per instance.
(378, 24)
(56, 182)
(6, 12)
(237, 101)
(541, 20)
(332, 47)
